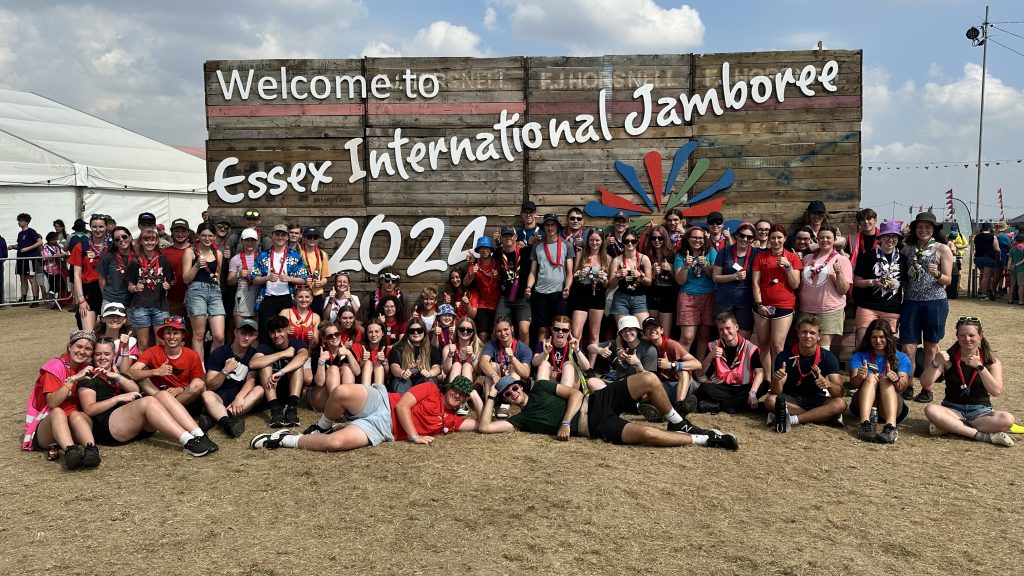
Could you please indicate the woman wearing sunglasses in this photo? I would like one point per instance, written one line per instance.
(559, 358)
(732, 274)
(973, 376)
(339, 362)
(696, 301)
(461, 355)
(630, 276)
(200, 269)
(113, 267)
(413, 360)
(664, 291)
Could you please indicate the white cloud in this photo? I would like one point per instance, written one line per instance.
(378, 49)
(490, 18)
(589, 27)
(963, 95)
(443, 38)
(899, 152)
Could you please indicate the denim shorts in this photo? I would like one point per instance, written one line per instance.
(146, 317)
(375, 418)
(204, 299)
(628, 304)
(985, 262)
(967, 412)
(923, 317)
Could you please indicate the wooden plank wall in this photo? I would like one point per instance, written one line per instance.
(782, 154)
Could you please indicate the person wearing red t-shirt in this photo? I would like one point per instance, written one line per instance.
(482, 279)
(84, 258)
(417, 416)
(175, 254)
(53, 419)
(170, 367)
(674, 364)
(774, 280)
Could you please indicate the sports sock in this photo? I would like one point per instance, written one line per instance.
(184, 438)
(673, 417)
(325, 423)
(197, 432)
(983, 436)
(699, 439)
(793, 420)
(290, 441)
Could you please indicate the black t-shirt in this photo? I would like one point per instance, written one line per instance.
(805, 386)
(105, 388)
(268, 349)
(153, 294)
(983, 246)
(879, 298)
(219, 357)
(508, 270)
(396, 356)
(113, 268)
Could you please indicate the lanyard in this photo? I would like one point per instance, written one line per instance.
(965, 387)
(314, 269)
(796, 361)
(284, 257)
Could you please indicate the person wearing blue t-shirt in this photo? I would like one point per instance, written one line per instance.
(27, 250)
(279, 363)
(880, 373)
(504, 356)
(231, 388)
(806, 385)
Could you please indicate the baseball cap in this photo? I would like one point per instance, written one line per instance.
(248, 324)
(651, 321)
(147, 218)
(621, 216)
(222, 220)
(281, 228)
(816, 206)
(79, 225)
(528, 206)
(113, 309)
(508, 231)
(249, 234)
(160, 228)
(180, 223)
(311, 231)
(715, 216)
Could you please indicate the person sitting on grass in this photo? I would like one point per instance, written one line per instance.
(879, 372)
(418, 415)
(121, 414)
(53, 420)
(279, 363)
(559, 357)
(733, 369)
(806, 385)
(171, 367)
(505, 356)
(231, 388)
(973, 376)
(338, 363)
(628, 354)
(548, 408)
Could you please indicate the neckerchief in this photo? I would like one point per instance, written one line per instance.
(796, 362)
(888, 272)
(816, 268)
(558, 261)
(918, 255)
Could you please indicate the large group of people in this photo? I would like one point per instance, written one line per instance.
(549, 327)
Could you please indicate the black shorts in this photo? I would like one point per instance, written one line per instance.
(485, 320)
(663, 298)
(809, 402)
(744, 313)
(93, 295)
(603, 409)
(28, 267)
(584, 297)
(545, 307)
(730, 398)
(101, 430)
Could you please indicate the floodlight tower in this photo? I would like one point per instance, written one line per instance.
(978, 37)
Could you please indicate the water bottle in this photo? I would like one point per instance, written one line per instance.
(874, 415)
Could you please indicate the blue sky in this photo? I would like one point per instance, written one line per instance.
(139, 64)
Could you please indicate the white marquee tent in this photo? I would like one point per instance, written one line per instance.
(58, 162)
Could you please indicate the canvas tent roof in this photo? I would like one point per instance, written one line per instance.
(45, 142)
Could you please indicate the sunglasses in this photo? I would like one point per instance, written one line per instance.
(311, 236)
(511, 388)
(122, 237)
(657, 239)
(389, 277)
(415, 330)
(97, 217)
(763, 230)
(575, 218)
(629, 242)
(968, 320)
(715, 222)
(252, 214)
(223, 225)
(466, 330)
(560, 330)
(745, 236)
(333, 336)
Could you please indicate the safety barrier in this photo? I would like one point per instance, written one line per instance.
(50, 273)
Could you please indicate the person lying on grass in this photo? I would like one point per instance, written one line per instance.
(422, 413)
(548, 408)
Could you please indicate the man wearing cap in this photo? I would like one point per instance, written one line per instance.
(181, 237)
(550, 278)
(146, 221)
(172, 366)
(483, 283)
(929, 267)
(561, 411)
(514, 264)
(252, 222)
(718, 237)
(231, 388)
(317, 263)
(240, 273)
(878, 280)
(277, 271)
(619, 225)
(163, 237)
(529, 234)
(628, 354)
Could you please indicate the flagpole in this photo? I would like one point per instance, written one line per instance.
(981, 125)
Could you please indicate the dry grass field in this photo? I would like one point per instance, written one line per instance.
(815, 501)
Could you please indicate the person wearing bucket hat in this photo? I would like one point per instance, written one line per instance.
(986, 259)
(627, 354)
(929, 269)
(548, 408)
(878, 280)
(172, 366)
(53, 420)
(482, 279)
(422, 413)
(550, 277)
(879, 371)
(442, 333)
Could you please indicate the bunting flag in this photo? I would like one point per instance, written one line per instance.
(1002, 214)
(950, 210)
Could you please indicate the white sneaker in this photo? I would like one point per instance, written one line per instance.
(463, 409)
(270, 440)
(935, 431)
(502, 411)
(1002, 439)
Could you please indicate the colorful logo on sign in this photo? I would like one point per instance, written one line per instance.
(697, 205)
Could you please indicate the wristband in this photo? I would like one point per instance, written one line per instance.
(495, 397)
(414, 438)
(679, 366)
(935, 364)
(566, 422)
(753, 394)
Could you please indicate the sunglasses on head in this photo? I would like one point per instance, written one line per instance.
(415, 330)
(389, 277)
(511, 388)
(968, 320)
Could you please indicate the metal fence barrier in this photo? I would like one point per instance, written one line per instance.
(51, 274)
